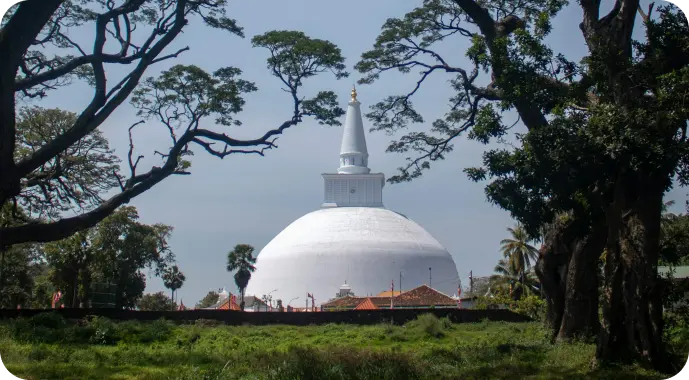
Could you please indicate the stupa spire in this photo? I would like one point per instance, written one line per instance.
(353, 152)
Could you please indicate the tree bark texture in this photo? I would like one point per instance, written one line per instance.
(568, 271)
(580, 314)
(632, 314)
(551, 268)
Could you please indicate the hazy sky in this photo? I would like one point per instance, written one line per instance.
(249, 199)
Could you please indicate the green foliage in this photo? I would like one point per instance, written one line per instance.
(513, 282)
(514, 272)
(173, 279)
(23, 271)
(676, 332)
(115, 251)
(20, 267)
(73, 179)
(517, 250)
(189, 94)
(58, 49)
(512, 49)
(44, 327)
(70, 263)
(50, 180)
(52, 328)
(295, 57)
(157, 331)
(241, 260)
(431, 325)
(103, 331)
(674, 239)
(155, 302)
(125, 247)
(531, 305)
(208, 300)
(480, 350)
(488, 125)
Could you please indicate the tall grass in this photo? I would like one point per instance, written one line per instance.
(48, 347)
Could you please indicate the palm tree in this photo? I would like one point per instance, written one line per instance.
(519, 283)
(241, 259)
(517, 250)
(173, 279)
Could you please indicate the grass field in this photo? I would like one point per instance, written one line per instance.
(47, 347)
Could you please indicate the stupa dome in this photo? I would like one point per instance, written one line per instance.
(367, 246)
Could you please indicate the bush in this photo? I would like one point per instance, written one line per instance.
(430, 325)
(677, 331)
(531, 306)
(104, 331)
(41, 328)
(446, 322)
(38, 353)
(158, 331)
(340, 363)
(207, 322)
(50, 320)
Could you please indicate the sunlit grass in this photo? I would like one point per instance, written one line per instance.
(427, 348)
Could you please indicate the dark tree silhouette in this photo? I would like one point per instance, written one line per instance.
(241, 260)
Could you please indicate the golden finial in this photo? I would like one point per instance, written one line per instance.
(354, 93)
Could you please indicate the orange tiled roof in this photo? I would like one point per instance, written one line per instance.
(229, 304)
(347, 301)
(352, 302)
(388, 293)
(367, 304)
(422, 296)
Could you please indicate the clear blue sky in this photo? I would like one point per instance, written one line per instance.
(249, 199)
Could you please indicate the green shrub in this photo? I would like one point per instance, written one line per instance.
(157, 331)
(531, 306)
(78, 334)
(429, 324)
(104, 331)
(446, 322)
(677, 331)
(189, 337)
(387, 327)
(340, 363)
(41, 328)
(50, 320)
(207, 322)
(38, 353)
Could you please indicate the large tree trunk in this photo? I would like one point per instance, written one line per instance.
(632, 314)
(568, 271)
(550, 269)
(580, 315)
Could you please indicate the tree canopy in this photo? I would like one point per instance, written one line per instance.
(185, 101)
(208, 300)
(241, 261)
(604, 139)
(155, 302)
(173, 279)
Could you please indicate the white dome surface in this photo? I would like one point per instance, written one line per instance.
(367, 247)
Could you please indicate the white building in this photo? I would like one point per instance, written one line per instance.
(352, 238)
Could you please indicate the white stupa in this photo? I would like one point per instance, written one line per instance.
(352, 238)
